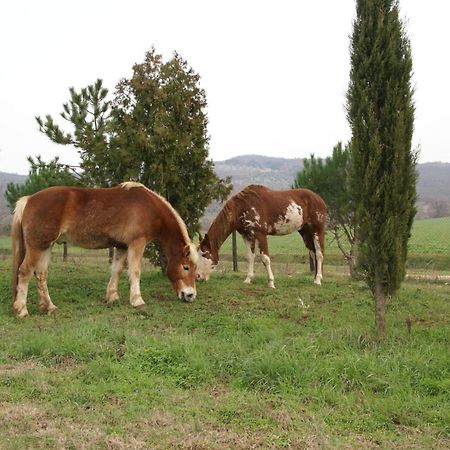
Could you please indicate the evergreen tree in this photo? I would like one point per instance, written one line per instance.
(330, 179)
(381, 115)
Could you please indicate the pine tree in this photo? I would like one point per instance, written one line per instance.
(381, 116)
(88, 113)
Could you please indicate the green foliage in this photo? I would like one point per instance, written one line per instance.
(381, 115)
(41, 175)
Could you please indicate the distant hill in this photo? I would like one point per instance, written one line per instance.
(277, 173)
(433, 186)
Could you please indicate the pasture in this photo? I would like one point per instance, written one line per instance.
(241, 367)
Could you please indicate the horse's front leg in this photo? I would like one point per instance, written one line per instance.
(265, 258)
(117, 265)
(135, 252)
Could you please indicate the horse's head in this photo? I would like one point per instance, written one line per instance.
(206, 263)
(181, 271)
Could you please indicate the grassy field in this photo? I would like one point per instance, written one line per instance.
(429, 248)
(241, 367)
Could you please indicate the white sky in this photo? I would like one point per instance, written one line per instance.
(275, 73)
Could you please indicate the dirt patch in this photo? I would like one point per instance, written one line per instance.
(425, 322)
(14, 370)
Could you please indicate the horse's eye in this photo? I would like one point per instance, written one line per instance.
(186, 268)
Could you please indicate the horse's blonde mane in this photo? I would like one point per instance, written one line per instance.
(193, 251)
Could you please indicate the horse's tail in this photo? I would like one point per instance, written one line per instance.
(18, 243)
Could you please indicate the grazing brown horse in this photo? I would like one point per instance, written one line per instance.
(127, 217)
(256, 212)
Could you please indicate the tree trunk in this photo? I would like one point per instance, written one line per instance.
(352, 261)
(380, 300)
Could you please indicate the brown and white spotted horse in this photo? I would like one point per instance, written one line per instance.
(127, 217)
(258, 211)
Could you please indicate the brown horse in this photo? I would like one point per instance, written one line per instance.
(127, 217)
(256, 212)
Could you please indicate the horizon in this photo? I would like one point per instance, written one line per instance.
(254, 155)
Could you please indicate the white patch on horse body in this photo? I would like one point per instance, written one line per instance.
(252, 221)
(290, 222)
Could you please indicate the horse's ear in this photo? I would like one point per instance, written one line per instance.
(186, 250)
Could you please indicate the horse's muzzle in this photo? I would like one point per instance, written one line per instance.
(188, 295)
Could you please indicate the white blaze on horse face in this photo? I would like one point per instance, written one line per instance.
(204, 267)
(290, 222)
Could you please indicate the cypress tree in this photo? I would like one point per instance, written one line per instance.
(383, 176)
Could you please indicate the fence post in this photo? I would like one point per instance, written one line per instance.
(65, 252)
(234, 246)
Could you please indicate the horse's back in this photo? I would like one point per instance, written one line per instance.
(88, 217)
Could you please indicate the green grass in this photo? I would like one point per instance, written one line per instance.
(241, 367)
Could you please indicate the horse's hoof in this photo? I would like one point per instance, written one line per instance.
(137, 302)
(22, 314)
(52, 309)
(248, 281)
(112, 298)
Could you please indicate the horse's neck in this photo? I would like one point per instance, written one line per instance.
(171, 240)
(221, 228)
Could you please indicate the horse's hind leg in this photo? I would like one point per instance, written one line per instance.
(25, 273)
(45, 303)
(318, 246)
(135, 252)
(250, 256)
(118, 262)
(264, 253)
(308, 239)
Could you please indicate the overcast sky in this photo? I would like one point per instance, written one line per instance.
(275, 73)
